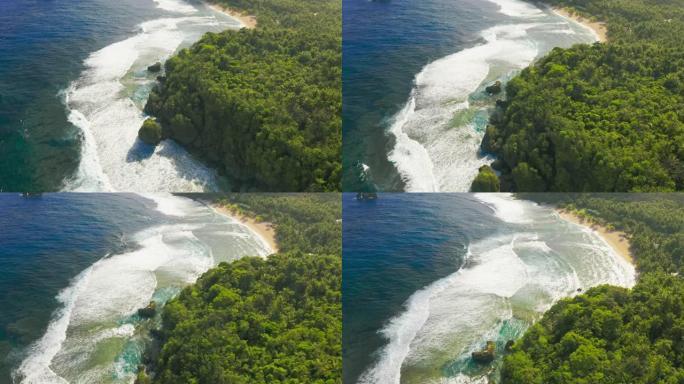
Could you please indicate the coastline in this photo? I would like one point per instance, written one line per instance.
(617, 240)
(247, 21)
(264, 230)
(598, 28)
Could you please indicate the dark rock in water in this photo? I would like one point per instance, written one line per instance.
(486, 355)
(579, 289)
(161, 78)
(494, 89)
(509, 345)
(156, 333)
(150, 132)
(154, 68)
(366, 196)
(148, 311)
(501, 104)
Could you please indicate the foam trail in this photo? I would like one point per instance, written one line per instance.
(430, 154)
(438, 132)
(98, 306)
(536, 261)
(175, 6)
(517, 8)
(506, 207)
(583, 26)
(106, 102)
(35, 369)
(264, 245)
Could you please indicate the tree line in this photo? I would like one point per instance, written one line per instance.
(256, 320)
(601, 117)
(261, 105)
(612, 334)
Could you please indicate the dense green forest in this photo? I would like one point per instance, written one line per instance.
(611, 334)
(255, 320)
(601, 117)
(262, 105)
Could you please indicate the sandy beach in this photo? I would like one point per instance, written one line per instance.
(263, 229)
(247, 21)
(616, 239)
(598, 28)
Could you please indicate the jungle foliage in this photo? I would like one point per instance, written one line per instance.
(485, 181)
(262, 105)
(602, 117)
(611, 334)
(255, 320)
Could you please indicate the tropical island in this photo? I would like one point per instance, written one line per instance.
(601, 117)
(262, 105)
(611, 334)
(260, 320)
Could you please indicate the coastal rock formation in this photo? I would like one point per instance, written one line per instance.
(486, 355)
(494, 89)
(150, 132)
(154, 68)
(148, 311)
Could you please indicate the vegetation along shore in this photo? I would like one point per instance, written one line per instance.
(611, 334)
(617, 240)
(261, 320)
(605, 117)
(262, 104)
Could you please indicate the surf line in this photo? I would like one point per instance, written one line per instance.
(432, 152)
(105, 104)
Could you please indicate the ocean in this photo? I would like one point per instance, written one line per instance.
(76, 267)
(414, 73)
(73, 82)
(429, 278)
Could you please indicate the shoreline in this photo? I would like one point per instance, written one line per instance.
(264, 230)
(617, 240)
(598, 28)
(247, 21)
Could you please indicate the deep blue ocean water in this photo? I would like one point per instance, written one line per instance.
(46, 241)
(43, 44)
(393, 247)
(385, 43)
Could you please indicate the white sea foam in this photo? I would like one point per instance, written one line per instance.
(516, 8)
(585, 27)
(177, 6)
(546, 260)
(438, 132)
(171, 205)
(460, 379)
(35, 369)
(431, 154)
(102, 105)
(264, 245)
(100, 300)
(506, 207)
